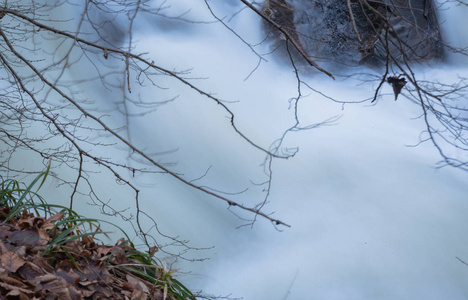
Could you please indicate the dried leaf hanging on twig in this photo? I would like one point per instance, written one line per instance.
(397, 84)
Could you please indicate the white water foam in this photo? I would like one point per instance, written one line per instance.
(371, 218)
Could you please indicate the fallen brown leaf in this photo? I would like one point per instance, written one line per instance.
(11, 284)
(29, 237)
(29, 271)
(18, 294)
(11, 261)
(52, 284)
(30, 222)
(48, 223)
(137, 283)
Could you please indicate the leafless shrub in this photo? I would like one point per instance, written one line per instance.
(45, 108)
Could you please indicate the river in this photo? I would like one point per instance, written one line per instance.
(371, 216)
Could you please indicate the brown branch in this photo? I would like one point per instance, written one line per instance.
(113, 132)
(148, 64)
(353, 21)
(288, 36)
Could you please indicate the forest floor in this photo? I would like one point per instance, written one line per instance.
(53, 257)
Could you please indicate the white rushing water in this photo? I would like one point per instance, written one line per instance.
(371, 217)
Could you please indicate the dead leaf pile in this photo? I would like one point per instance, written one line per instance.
(77, 269)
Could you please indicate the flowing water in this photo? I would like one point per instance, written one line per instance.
(371, 217)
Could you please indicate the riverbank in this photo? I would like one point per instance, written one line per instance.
(50, 252)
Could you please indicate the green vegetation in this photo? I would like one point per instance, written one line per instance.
(50, 251)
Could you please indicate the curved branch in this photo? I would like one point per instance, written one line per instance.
(86, 113)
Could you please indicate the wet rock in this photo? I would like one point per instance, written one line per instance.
(414, 31)
(357, 31)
